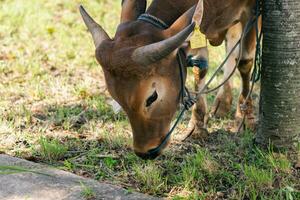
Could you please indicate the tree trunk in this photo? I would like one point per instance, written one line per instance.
(279, 120)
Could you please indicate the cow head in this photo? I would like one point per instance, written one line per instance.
(140, 65)
(141, 71)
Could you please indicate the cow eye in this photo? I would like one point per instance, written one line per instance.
(151, 99)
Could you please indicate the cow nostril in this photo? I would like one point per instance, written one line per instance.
(147, 156)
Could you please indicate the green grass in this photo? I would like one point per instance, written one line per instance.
(54, 109)
(196, 168)
(51, 150)
(87, 192)
(257, 179)
(150, 176)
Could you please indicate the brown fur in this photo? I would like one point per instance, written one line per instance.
(131, 84)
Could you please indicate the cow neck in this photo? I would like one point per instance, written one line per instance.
(169, 10)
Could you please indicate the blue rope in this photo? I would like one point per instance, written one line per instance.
(153, 20)
(201, 63)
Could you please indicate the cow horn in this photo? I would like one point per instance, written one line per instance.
(131, 9)
(153, 52)
(98, 33)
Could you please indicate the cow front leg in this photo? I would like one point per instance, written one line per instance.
(246, 111)
(223, 101)
(199, 117)
(198, 122)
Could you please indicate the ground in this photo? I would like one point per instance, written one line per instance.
(55, 110)
(32, 181)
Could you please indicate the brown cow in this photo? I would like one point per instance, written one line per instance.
(141, 69)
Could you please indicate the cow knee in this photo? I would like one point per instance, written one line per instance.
(245, 66)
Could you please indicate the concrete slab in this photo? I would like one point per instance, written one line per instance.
(56, 185)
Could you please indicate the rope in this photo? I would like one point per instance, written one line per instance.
(187, 102)
(204, 89)
(186, 99)
(153, 20)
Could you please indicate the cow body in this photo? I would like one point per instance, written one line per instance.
(141, 69)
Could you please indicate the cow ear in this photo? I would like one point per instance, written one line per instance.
(132, 9)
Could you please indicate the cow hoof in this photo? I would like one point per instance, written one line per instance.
(239, 125)
(245, 114)
(196, 131)
(249, 123)
(200, 133)
(221, 106)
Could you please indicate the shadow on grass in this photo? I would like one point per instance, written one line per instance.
(74, 116)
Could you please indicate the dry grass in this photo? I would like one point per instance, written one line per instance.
(53, 109)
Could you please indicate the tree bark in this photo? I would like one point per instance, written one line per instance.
(279, 120)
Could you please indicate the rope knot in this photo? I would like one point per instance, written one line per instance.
(244, 107)
(188, 103)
